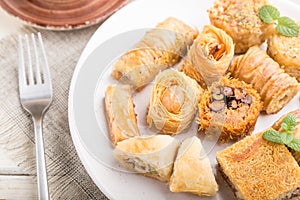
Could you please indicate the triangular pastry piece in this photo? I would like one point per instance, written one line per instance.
(152, 156)
(192, 171)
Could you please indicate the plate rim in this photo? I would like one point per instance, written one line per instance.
(54, 27)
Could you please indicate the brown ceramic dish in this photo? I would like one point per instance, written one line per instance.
(62, 14)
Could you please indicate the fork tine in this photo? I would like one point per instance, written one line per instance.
(46, 73)
(30, 72)
(22, 72)
(36, 58)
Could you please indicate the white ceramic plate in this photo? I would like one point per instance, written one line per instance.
(92, 75)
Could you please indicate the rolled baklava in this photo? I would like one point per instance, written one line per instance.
(239, 18)
(192, 171)
(259, 169)
(209, 57)
(152, 156)
(160, 48)
(286, 51)
(296, 131)
(231, 107)
(120, 113)
(276, 88)
(173, 103)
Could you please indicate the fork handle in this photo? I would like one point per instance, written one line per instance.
(42, 182)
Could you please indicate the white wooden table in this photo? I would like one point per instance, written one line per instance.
(15, 183)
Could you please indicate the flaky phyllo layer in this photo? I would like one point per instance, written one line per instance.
(209, 57)
(173, 102)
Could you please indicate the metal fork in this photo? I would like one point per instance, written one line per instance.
(35, 90)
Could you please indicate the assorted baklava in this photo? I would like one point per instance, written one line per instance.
(239, 18)
(276, 88)
(160, 48)
(228, 92)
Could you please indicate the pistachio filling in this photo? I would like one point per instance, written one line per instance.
(140, 165)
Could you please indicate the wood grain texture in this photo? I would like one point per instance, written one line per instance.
(17, 187)
(67, 177)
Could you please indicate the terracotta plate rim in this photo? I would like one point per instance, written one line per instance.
(65, 27)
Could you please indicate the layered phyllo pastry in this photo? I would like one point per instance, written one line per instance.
(276, 88)
(152, 156)
(192, 170)
(296, 131)
(259, 169)
(173, 102)
(239, 18)
(229, 109)
(209, 57)
(120, 114)
(286, 51)
(160, 48)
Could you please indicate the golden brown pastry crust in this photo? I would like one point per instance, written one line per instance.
(173, 103)
(239, 18)
(259, 169)
(160, 48)
(120, 113)
(275, 87)
(286, 51)
(192, 171)
(233, 122)
(209, 57)
(152, 156)
(296, 132)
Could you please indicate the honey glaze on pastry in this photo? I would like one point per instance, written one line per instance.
(160, 48)
(296, 131)
(235, 104)
(286, 51)
(209, 57)
(239, 18)
(151, 156)
(192, 170)
(120, 113)
(173, 103)
(276, 88)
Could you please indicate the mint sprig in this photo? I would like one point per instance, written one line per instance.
(269, 14)
(284, 25)
(288, 124)
(273, 136)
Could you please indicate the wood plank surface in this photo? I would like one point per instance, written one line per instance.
(15, 183)
(14, 187)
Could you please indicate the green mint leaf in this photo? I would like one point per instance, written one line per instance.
(283, 137)
(268, 14)
(289, 122)
(289, 138)
(284, 126)
(294, 144)
(287, 27)
(273, 136)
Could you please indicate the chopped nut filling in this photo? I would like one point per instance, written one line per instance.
(232, 98)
